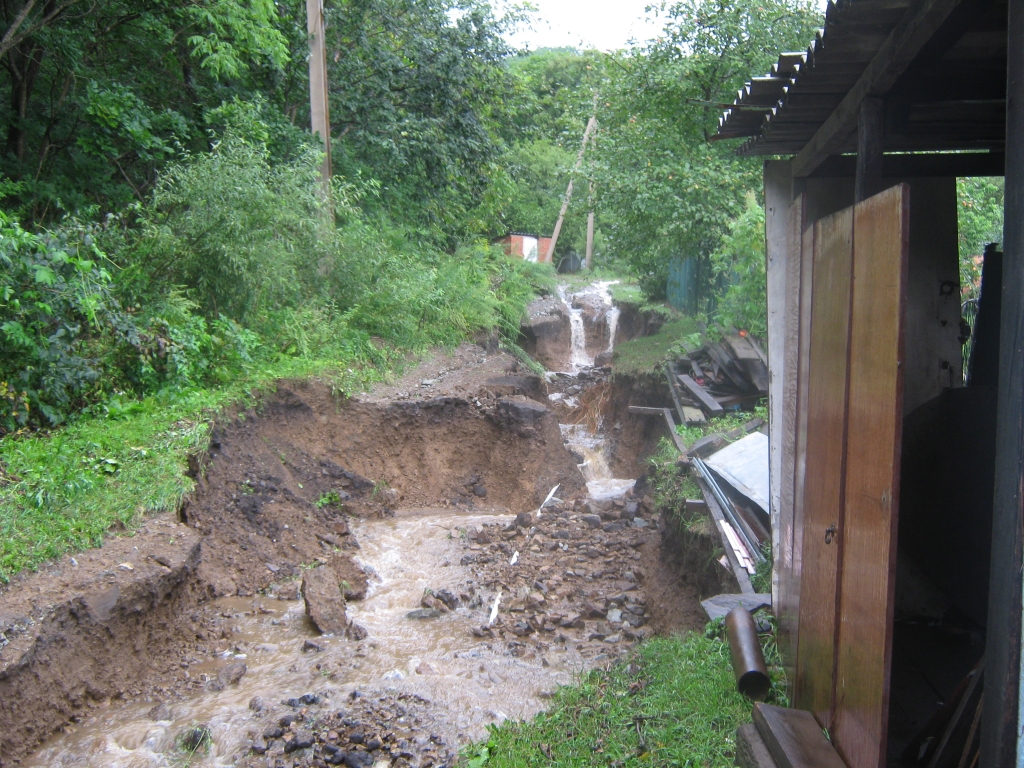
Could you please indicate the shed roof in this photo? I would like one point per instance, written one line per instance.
(949, 92)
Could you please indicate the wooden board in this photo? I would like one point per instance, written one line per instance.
(824, 479)
(701, 394)
(784, 433)
(794, 739)
(868, 541)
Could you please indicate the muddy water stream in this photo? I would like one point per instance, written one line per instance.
(469, 681)
(436, 659)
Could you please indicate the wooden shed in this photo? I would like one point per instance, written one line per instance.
(526, 246)
(896, 486)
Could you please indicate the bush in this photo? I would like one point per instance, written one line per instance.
(57, 316)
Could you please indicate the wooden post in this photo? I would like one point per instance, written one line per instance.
(591, 125)
(590, 235)
(319, 106)
(782, 304)
(870, 135)
(1000, 728)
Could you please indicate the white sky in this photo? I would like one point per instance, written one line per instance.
(601, 24)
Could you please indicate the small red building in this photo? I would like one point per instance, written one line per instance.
(526, 246)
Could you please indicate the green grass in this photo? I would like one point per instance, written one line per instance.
(64, 491)
(648, 353)
(674, 703)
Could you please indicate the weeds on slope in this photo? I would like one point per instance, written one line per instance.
(672, 703)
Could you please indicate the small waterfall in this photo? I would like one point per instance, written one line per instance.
(578, 357)
(612, 319)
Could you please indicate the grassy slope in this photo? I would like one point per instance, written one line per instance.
(673, 704)
(63, 491)
(648, 353)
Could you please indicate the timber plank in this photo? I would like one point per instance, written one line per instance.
(826, 444)
(706, 400)
(784, 421)
(868, 541)
(794, 739)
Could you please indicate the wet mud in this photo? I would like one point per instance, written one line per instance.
(450, 601)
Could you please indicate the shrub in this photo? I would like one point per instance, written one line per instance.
(57, 314)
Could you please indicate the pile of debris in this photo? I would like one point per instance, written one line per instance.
(728, 375)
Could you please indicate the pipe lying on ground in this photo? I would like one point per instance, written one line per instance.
(747, 657)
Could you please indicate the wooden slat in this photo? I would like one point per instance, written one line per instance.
(891, 60)
(826, 442)
(868, 541)
(1000, 730)
(794, 739)
(786, 559)
(778, 192)
(706, 400)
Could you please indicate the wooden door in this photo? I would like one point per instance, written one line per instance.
(848, 416)
(822, 497)
(867, 538)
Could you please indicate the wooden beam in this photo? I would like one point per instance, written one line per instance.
(870, 139)
(706, 400)
(1000, 728)
(892, 59)
(591, 125)
(318, 99)
(919, 165)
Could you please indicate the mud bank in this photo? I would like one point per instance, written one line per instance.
(459, 604)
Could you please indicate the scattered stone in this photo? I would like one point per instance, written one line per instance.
(432, 603)
(231, 673)
(639, 523)
(617, 527)
(524, 520)
(259, 747)
(594, 521)
(423, 613)
(479, 491)
(613, 638)
(312, 646)
(340, 527)
(614, 616)
(423, 668)
(325, 604)
(195, 738)
(258, 704)
(303, 739)
(446, 597)
(289, 591)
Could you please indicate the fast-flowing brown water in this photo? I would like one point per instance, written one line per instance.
(470, 683)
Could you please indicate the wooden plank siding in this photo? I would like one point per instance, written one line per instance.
(787, 559)
(874, 431)
(826, 452)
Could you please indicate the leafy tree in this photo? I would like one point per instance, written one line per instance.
(979, 222)
(670, 192)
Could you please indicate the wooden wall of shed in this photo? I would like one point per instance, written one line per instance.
(932, 331)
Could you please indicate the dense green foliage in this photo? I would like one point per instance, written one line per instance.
(667, 190)
(674, 702)
(979, 222)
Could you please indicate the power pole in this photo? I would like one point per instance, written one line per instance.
(568, 192)
(590, 228)
(318, 102)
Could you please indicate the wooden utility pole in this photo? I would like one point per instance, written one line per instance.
(590, 228)
(591, 125)
(318, 103)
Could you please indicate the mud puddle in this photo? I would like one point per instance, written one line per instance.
(462, 682)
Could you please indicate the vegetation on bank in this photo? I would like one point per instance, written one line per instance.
(672, 702)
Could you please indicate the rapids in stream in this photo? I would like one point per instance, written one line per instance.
(436, 659)
(439, 659)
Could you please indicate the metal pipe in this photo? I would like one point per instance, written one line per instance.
(747, 657)
(742, 529)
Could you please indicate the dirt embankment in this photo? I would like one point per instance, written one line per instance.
(274, 491)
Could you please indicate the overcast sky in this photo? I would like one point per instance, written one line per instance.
(601, 24)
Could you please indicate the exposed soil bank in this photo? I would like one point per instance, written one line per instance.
(113, 623)
(162, 618)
